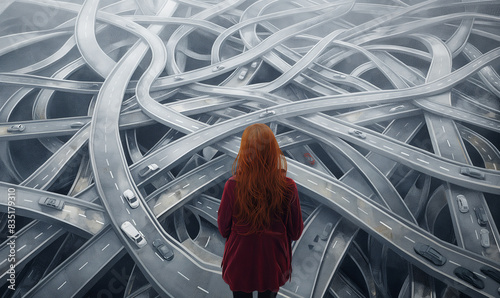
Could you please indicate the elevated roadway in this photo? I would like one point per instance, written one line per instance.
(324, 116)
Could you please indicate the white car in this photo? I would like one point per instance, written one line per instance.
(218, 67)
(396, 108)
(243, 73)
(147, 170)
(267, 113)
(133, 234)
(131, 198)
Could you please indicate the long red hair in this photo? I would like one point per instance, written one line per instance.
(260, 174)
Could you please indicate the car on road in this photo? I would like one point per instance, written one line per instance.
(77, 124)
(309, 158)
(326, 231)
(51, 202)
(178, 78)
(463, 206)
(357, 133)
(482, 220)
(131, 198)
(16, 128)
(147, 170)
(430, 254)
(133, 234)
(254, 64)
(492, 273)
(243, 73)
(163, 249)
(484, 237)
(218, 67)
(396, 108)
(471, 172)
(469, 276)
(267, 113)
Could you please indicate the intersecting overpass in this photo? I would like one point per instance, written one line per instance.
(387, 111)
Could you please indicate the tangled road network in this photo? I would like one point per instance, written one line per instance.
(388, 113)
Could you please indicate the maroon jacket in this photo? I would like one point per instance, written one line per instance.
(259, 261)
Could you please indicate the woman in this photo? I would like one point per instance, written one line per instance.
(259, 215)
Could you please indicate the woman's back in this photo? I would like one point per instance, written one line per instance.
(259, 215)
(258, 260)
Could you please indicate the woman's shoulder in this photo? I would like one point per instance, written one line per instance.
(292, 187)
(290, 181)
(231, 181)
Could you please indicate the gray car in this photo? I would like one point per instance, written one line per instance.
(484, 237)
(163, 249)
(471, 172)
(462, 204)
(430, 254)
(357, 133)
(51, 202)
(482, 220)
(16, 128)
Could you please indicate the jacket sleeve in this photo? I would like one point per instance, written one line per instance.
(225, 213)
(295, 225)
